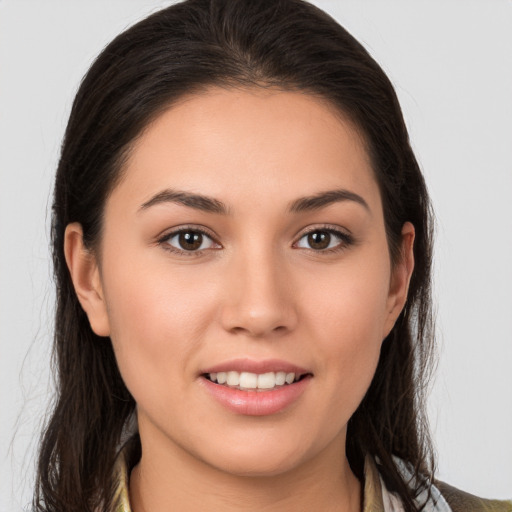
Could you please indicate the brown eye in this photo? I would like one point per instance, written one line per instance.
(324, 240)
(319, 240)
(189, 240)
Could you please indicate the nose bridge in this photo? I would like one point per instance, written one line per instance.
(259, 299)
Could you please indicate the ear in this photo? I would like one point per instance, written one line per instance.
(400, 278)
(86, 279)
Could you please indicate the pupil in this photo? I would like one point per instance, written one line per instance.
(319, 239)
(190, 241)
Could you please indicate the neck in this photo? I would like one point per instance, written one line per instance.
(173, 479)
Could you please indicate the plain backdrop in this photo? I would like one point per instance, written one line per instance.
(451, 63)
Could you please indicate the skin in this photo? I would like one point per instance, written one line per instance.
(258, 290)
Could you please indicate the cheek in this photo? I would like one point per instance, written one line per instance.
(157, 320)
(347, 315)
(350, 302)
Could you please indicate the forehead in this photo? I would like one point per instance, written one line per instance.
(247, 144)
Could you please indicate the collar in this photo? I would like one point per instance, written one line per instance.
(376, 497)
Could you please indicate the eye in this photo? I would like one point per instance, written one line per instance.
(324, 240)
(188, 240)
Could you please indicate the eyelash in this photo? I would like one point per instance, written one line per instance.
(164, 241)
(346, 240)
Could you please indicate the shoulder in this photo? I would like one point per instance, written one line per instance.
(461, 501)
(441, 498)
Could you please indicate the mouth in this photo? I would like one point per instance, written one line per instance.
(251, 387)
(248, 381)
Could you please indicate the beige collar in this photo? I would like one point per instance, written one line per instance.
(373, 497)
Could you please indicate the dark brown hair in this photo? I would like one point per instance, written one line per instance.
(286, 44)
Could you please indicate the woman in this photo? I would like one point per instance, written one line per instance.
(242, 245)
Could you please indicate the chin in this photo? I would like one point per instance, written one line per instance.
(257, 459)
(258, 466)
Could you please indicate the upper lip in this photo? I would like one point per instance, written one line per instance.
(254, 366)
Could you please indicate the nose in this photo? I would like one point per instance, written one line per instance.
(259, 297)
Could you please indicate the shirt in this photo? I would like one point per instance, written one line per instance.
(376, 497)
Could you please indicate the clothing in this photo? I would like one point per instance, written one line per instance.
(376, 496)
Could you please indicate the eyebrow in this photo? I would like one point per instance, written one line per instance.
(197, 201)
(326, 198)
(212, 205)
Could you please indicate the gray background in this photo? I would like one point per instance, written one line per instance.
(451, 62)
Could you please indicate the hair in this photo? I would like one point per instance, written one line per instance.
(289, 45)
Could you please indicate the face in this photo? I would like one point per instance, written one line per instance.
(244, 279)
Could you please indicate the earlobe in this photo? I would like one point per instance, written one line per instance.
(84, 271)
(401, 277)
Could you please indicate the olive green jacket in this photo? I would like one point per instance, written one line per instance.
(445, 497)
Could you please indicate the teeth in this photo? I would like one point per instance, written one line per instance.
(248, 380)
(233, 379)
(267, 380)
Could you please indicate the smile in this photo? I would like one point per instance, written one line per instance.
(253, 381)
(255, 388)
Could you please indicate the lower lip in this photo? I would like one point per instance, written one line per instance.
(256, 403)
